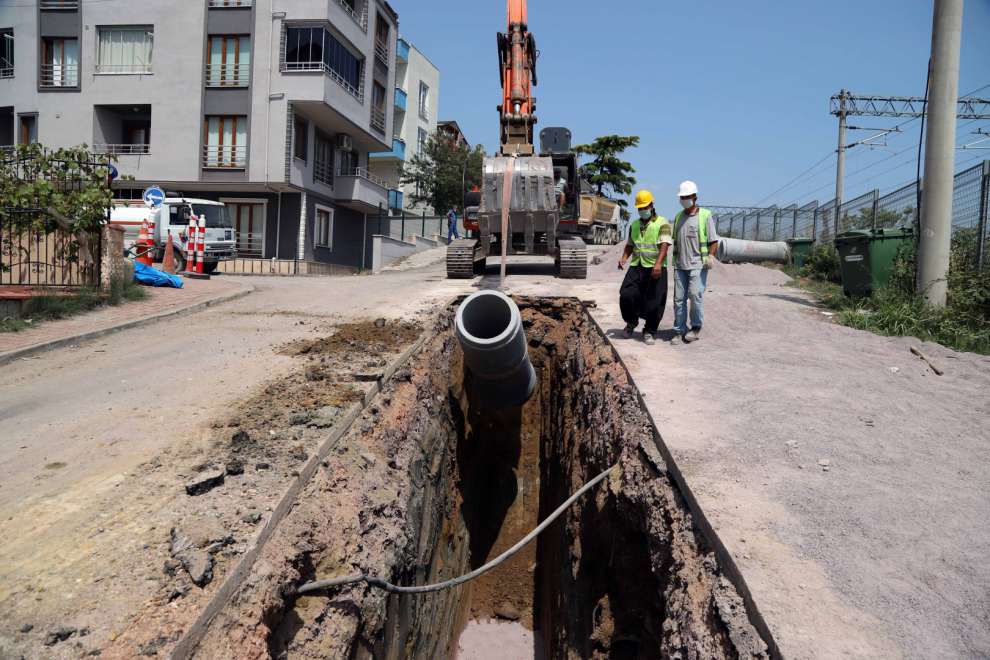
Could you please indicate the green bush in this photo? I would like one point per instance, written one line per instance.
(823, 264)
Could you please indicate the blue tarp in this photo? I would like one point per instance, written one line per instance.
(152, 277)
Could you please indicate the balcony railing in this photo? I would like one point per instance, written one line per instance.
(381, 52)
(58, 4)
(356, 92)
(363, 173)
(228, 75)
(59, 75)
(378, 120)
(400, 99)
(122, 149)
(6, 71)
(424, 112)
(229, 3)
(225, 157)
(250, 244)
(123, 68)
(323, 172)
(361, 18)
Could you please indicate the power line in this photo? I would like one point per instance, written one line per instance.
(796, 179)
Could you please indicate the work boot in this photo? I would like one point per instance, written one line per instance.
(676, 340)
(693, 335)
(628, 332)
(648, 338)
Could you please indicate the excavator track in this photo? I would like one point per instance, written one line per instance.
(462, 255)
(572, 259)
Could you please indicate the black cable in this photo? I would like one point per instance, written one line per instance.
(917, 178)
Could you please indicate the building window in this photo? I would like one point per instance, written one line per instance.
(60, 63)
(421, 138)
(249, 224)
(324, 227)
(315, 49)
(381, 40)
(225, 143)
(29, 129)
(323, 159)
(424, 100)
(230, 61)
(378, 108)
(300, 138)
(346, 163)
(124, 50)
(7, 53)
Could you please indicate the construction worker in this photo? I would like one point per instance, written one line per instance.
(451, 225)
(643, 293)
(695, 247)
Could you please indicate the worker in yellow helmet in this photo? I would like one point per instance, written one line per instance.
(643, 293)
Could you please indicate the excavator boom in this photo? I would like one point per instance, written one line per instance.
(517, 69)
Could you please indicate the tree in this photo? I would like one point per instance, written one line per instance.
(441, 173)
(610, 175)
(67, 187)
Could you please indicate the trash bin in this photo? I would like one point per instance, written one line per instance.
(800, 249)
(866, 257)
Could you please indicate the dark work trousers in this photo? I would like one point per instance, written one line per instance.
(641, 296)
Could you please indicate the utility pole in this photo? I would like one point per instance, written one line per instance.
(940, 151)
(840, 161)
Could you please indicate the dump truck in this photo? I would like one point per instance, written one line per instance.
(529, 200)
(598, 220)
(172, 218)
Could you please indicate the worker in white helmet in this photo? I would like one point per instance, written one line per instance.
(695, 246)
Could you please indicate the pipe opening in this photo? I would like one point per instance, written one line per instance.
(486, 316)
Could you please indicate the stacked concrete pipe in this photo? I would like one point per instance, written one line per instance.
(489, 328)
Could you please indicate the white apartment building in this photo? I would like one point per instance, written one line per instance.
(417, 105)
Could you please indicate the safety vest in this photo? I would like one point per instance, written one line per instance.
(703, 217)
(646, 247)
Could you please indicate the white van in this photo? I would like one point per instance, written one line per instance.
(173, 217)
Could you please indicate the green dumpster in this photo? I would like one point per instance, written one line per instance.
(800, 249)
(866, 257)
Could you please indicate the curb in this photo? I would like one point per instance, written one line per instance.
(235, 579)
(10, 356)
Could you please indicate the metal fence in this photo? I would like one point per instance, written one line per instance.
(899, 208)
(405, 225)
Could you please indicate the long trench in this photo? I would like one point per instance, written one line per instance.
(625, 573)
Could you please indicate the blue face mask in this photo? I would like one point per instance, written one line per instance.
(646, 213)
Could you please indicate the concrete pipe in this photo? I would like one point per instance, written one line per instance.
(740, 251)
(489, 328)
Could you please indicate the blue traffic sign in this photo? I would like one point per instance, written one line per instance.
(113, 171)
(153, 196)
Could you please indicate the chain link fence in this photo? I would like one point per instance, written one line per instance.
(899, 208)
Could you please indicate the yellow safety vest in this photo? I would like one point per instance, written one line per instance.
(646, 246)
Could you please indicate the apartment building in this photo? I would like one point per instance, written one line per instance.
(416, 106)
(271, 106)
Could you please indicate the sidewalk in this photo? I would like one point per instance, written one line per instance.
(160, 302)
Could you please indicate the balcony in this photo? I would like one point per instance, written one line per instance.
(220, 4)
(122, 149)
(357, 93)
(360, 190)
(400, 99)
(378, 120)
(48, 5)
(59, 75)
(402, 51)
(225, 157)
(228, 75)
(358, 16)
(395, 200)
(398, 151)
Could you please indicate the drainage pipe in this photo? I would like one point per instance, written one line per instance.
(489, 328)
(734, 249)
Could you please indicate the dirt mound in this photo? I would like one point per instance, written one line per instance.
(372, 336)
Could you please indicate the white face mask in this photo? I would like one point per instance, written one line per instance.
(646, 213)
(687, 203)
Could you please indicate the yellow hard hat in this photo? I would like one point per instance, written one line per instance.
(643, 199)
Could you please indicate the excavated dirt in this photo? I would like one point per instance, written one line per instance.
(430, 483)
(372, 336)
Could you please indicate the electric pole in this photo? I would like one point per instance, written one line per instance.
(840, 161)
(940, 151)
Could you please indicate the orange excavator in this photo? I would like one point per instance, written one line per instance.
(528, 202)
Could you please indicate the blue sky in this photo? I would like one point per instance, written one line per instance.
(731, 94)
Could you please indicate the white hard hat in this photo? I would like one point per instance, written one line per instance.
(688, 188)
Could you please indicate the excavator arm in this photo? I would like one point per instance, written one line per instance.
(517, 69)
